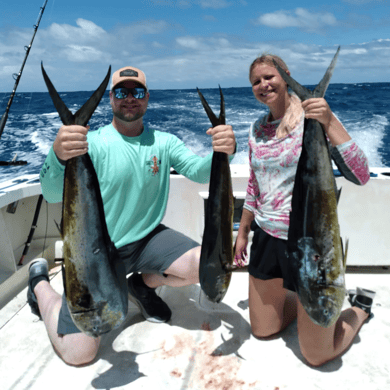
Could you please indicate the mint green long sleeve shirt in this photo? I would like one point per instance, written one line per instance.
(133, 174)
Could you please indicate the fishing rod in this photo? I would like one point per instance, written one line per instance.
(17, 76)
(32, 231)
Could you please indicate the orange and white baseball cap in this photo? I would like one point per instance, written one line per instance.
(128, 73)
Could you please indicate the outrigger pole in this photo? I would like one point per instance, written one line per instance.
(17, 76)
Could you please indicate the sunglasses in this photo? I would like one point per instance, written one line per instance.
(122, 92)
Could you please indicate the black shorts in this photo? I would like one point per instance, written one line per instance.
(152, 254)
(268, 258)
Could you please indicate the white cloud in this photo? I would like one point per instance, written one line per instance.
(355, 51)
(76, 62)
(189, 42)
(300, 18)
(85, 31)
(78, 53)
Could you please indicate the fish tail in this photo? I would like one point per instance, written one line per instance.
(213, 118)
(222, 118)
(85, 112)
(304, 93)
(66, 116)
(83, 115)
(321, 88)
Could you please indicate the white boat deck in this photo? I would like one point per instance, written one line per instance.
(205, 346)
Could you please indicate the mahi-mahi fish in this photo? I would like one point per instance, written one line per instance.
(216, 259)
(314, 244)
(94, 278)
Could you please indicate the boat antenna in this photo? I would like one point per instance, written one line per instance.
(17, 76)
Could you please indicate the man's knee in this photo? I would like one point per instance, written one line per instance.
(79, 351)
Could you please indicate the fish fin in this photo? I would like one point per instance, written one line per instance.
(63, 278)
(85, 112)
(66, 116)
(222, 117)
(213, 118)
(345, 253)
(235, 268)
(338, 193)
(302, 92)
(83, 115)
(59, 226)
(321, 88)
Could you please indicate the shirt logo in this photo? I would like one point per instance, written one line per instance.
(154, 165)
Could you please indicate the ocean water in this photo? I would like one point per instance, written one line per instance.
(33, 121)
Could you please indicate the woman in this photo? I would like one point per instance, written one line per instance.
(275, 143)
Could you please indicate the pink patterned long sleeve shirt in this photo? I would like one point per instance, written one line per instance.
(273, 165)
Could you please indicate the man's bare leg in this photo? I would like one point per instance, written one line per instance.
(74, 349)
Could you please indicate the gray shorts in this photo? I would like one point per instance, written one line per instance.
(152, 254)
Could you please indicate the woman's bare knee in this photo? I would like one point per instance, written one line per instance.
(316, 342)
(267, 330)
(315, 359)
(266, 306)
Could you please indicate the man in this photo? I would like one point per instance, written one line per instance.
(133, 164)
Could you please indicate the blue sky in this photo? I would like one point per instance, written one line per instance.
(189, 43)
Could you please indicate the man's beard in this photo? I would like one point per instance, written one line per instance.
(128, 117)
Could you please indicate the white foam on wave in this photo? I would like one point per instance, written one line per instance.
(199, 144)
(368, 133)
(42, 144)
(43, 131)
(50, 114)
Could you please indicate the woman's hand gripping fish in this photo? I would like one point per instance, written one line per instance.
(314, 244)
(94, 278)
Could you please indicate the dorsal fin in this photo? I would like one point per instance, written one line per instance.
(338, 193)
(345, 251)
(302, 92)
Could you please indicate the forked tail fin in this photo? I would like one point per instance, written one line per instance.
(304, 93)
(213, 118)
(82, 116)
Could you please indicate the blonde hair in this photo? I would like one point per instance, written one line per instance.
(267, 58)
(294, 112)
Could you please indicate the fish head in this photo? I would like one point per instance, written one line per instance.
(321, 298)
(98, 320)
(322, 308)
(309, 260)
